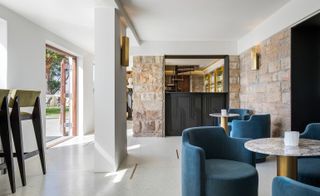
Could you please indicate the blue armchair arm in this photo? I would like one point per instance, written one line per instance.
(283, 186)
(237, 151)
(304, 135)
(193, 168)
(312, 131)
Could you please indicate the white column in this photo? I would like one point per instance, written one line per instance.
(3, 54)
(110, 95)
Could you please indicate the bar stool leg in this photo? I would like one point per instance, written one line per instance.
(17, 138)
(6, 143)
(37, 125)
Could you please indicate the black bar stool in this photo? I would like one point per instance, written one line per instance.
(20, 99)
(5, 135)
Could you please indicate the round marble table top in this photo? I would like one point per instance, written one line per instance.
(220, 115)
(275, 146)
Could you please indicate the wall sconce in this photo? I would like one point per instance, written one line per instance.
(255, 59)
(124, 51)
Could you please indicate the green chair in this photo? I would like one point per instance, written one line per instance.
(23, 99)
(6, 138)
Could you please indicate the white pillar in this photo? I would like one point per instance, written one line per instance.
(3, 54)
(110, 95)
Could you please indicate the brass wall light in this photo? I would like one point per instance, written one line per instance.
(255, 59)
(124, 51)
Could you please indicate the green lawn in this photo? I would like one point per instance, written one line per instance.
(54, 111)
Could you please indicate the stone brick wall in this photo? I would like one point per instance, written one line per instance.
(196, 83)
(267, 90)
(234, 81)
(148, 96)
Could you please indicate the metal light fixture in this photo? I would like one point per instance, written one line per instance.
(255, 59)
(124, 51)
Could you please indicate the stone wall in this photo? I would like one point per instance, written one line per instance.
(148, 96)
(234, 81)
(267, 90)
(196, 83)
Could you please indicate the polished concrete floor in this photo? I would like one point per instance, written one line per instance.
(158, 171)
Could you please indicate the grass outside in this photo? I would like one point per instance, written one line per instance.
(54, 111)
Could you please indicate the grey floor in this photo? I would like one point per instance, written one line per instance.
(70, 167)
(53, 126)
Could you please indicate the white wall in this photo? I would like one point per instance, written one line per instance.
(88, 101)
(26, 60)
(3, 53)
(148, 48)
(110, 89)
(290, 14)
(121, 98)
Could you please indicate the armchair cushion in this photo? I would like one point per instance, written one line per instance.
(283, 186)
(220, 174)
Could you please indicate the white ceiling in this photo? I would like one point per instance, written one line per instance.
(73, 20)
(154, 20)
(198, 20)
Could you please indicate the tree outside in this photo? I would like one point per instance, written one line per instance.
(53, 76)
(53, 71)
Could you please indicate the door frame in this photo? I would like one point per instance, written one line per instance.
(226, 64)
(74, 84)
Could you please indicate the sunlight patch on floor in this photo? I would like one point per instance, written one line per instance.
(78, 140)
(133, 147)
(117, 176)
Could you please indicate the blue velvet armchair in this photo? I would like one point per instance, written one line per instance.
(309, 167)
(312, 131)
(216, 165)
(244, 114)
(283, 186)
(258, 126)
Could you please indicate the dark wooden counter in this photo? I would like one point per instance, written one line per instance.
(184, 110)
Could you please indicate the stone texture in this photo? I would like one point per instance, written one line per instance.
(234, 81)
(148, 96)
(267, 90)
(276, 146)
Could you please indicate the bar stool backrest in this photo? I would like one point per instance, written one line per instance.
(27, 98)
(3, 93)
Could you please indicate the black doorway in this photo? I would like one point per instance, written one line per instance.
(305, 73)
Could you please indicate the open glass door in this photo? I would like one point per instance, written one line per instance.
(61, 94)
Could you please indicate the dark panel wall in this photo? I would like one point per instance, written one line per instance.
(212, 103)
(184, 110)
(305, 75)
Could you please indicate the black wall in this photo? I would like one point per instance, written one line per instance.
(184, 110)
(305, 73)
